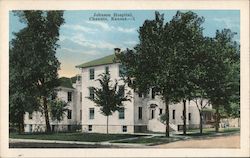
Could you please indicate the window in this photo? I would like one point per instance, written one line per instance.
(140, 94)
(69, 114)
(91, 74)
(160, 111)
(30, 128)
(122, 71)
(121, 113)
(189, 116)
(140, 113)
(69, 127)
(80, 115)
(173, 114)
(124, 128)
(69, 96)
(80, 96)
(90, 128)
(53, 96)
(121, 90)
(107, 69)
(91, 93)
(152, 114)
(30, 115)
(153, 93)
(91, 113)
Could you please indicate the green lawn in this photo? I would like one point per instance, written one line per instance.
(85, 137)
(151, 141)
(211, 131)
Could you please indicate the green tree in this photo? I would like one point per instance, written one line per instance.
(42, 31)
(224, 83)
(184, 36)
(57, 109)
(23, 94)
(107, 97)
(150, 65)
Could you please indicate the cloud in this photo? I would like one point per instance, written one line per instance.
(228, 22)
(133, 43)
(107, 27)
(80, 28)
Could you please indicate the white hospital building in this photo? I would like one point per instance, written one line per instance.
(139, 115)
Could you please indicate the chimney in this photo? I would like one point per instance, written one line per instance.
(117, 50)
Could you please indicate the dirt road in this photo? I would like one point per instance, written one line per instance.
(232, 141)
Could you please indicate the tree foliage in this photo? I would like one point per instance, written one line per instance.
(108, 97)
(180, 63)
(35, 45)
(57, 109)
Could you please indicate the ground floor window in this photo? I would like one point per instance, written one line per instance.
(69, 127)
(124, 128)
(173, 114)
(91, 113)
(152, 114)
(90, 128)
(189, 116)
(53, 128)
(140, 113)
(69, 114)
(121, 113)
(30, 128)
(160, 111)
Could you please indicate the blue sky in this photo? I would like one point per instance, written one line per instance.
(82, 40)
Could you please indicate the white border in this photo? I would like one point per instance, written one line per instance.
(242, 5)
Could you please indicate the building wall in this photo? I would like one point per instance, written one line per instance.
(37, 123)
(99, 122)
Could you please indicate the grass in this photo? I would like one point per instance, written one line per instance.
(211, 131)
(85, 137)
(150, 141)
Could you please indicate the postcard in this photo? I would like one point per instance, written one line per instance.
(124, 78)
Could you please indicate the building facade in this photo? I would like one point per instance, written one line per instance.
(140, 114)
(69, 91)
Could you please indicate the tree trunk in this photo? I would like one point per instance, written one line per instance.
(46, 113)
(217, 121)
(167, 116)
(107, 124)
(184, 118)
(21, 124)
(201, 122)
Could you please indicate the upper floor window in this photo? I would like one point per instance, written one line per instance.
(91, 93)
(91, 113)
(30, 115)
(122, 71)
(121, 113)
(106, 69)
(69, 96)
(92, 74)
(153, 93)
(80, 96)
(80, 115)
(140, 94)
(53, 96)
(121, 90)
(69, 114)
(173, 114)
